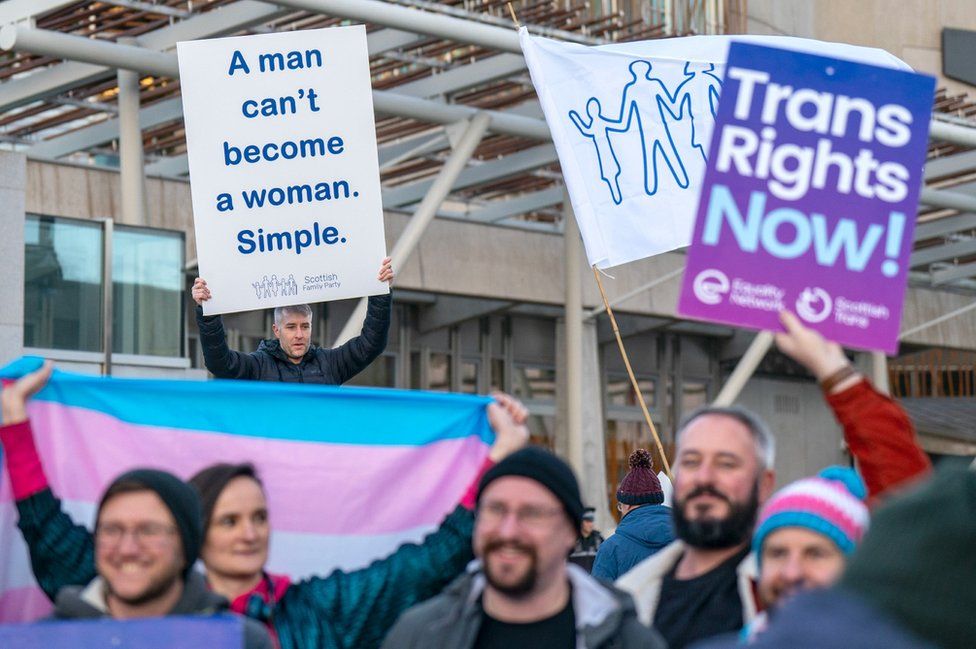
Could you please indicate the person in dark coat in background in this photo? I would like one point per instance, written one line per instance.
(588, 542)
(646, 526)
(290, 356)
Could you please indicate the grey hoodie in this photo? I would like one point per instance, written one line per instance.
(605, 616)
(88, 602)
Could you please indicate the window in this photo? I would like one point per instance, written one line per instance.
(64, 286)
(469, 377)
(147, 297)
(381, 373)
(439, 372)
(535, 383)
(620, 391)
(694, 394)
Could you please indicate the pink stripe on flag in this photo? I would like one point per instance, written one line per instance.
(23, 605)
(313, 488)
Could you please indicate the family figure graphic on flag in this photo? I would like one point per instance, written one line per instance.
(651, 111)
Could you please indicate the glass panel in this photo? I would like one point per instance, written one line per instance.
(542, 431)
(533, 383)
(439, 372)
(381, 373)
(469, 377)
(147, 296)
(693, 395)
(63, 284)
(621, 393)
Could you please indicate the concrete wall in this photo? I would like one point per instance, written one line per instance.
(808, 437)
(455, 257)
(909, 29)
(86, 193)
(124, 366)
(13, 171)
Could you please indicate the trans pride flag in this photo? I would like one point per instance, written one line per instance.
(350, 473)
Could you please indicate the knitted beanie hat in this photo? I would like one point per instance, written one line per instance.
(180, 498)
(918, 562)
(545, 468)
(831, 504)
(640, 486)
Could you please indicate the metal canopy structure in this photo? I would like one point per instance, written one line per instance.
(435, 66)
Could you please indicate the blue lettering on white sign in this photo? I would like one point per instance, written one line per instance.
(296, 241)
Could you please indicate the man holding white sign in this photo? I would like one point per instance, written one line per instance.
(291, 357)
(284, 178)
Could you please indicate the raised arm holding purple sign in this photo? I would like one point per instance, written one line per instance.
(810, 195)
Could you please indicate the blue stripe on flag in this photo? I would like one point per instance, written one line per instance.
(315, 413)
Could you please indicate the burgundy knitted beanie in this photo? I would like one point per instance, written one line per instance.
(640, 486)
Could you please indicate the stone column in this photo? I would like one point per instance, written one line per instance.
(592, 471)
(13, 182)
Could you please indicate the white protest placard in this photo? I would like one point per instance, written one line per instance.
(632, 124)
(284, 175)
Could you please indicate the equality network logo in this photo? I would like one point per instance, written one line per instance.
(710, 285)
(658, 116)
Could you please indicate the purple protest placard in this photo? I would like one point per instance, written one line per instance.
(810, 196)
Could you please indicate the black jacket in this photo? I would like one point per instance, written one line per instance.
(269, 362)
(88, 603)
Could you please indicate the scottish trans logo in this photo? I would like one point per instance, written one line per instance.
(670, 123)
(814, 304)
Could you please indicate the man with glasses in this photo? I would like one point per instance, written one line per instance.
(148, 534)
(522, 592)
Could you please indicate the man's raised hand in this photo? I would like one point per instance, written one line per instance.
(14, 397)
(507, 416)
(808, 348)
(386, 271)
(200, 292)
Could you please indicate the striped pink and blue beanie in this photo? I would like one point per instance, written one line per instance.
(832, 504)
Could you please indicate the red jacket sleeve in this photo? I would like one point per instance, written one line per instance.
(881, 438)
(23, 463)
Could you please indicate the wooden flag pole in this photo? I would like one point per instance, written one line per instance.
(514, 18)
(620, 342)
(633, 379)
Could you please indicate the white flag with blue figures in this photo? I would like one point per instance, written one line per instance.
(632, 123)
